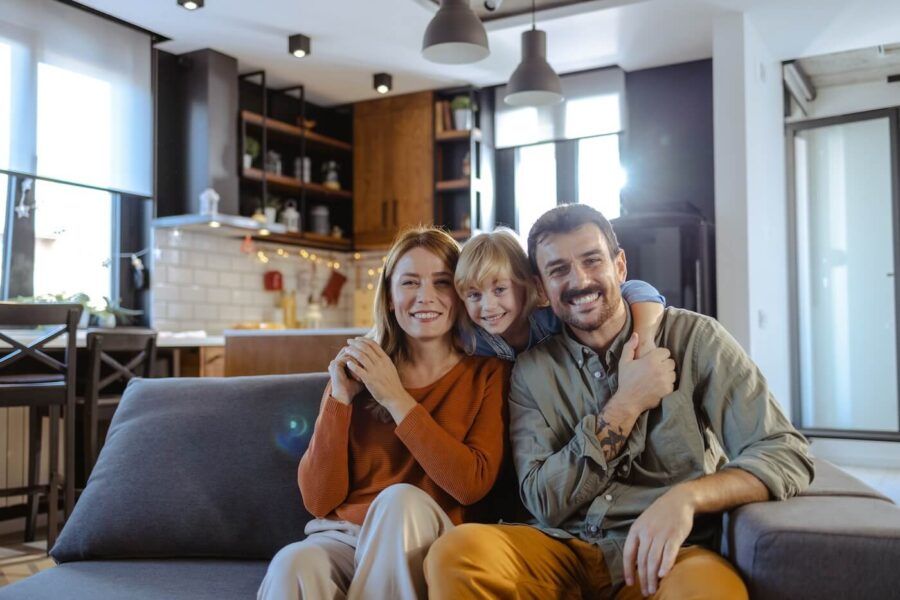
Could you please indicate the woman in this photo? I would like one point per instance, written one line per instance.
(411, 434)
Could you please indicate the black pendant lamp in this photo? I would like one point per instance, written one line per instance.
(455, 35)
(534, 82)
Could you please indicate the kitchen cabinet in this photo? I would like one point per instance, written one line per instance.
(393, 167)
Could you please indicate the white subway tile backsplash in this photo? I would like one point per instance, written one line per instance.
(243, 297)
(193, 293)
(231, 313)
(218, 295)
(194, 259)
(203, 281)
(251, 281)
(180, 310)
(165, 291)
(180, 275)
(206, 311)
(218, 262)
(206, 277)
(228, 279)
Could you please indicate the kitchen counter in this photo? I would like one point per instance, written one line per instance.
(345, 331)
(273, 351)
(165, 339)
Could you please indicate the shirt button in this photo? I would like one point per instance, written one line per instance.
(598, 374)
(608, 497)
(593, 529)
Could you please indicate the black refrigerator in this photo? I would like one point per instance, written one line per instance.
(675, 252)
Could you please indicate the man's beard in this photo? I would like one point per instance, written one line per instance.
(609, 304)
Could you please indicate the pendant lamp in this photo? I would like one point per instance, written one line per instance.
(534, 82)
(455, 35)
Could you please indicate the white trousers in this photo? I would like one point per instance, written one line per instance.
(381, 560)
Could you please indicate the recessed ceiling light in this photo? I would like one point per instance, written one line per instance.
(299, 45)
(191, 4)
(382, 82)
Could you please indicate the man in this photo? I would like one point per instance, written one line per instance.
(624, 468)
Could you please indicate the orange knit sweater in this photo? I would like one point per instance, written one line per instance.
(451, 445)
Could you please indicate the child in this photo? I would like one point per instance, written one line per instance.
(494, 280)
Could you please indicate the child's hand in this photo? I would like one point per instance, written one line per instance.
(647, 343)
(344, 385)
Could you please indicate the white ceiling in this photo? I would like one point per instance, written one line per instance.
(352, 39)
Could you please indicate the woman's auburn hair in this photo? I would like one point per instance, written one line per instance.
(387, 331)
(494, 255)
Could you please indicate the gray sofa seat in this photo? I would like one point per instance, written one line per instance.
(143, 580)
(840, 539)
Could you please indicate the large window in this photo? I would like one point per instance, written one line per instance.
(75, 141)
(535, 182)
(563, 153)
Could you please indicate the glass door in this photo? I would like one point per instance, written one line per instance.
(845, 229)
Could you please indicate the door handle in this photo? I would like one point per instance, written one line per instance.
(383, 214)
(395, 212)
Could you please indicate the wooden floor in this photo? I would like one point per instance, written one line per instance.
(19, 560)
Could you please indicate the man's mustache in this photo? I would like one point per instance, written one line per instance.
(570, 295)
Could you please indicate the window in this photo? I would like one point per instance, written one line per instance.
(535, 184)
(73, 241)
(75, 132)
(600, 175)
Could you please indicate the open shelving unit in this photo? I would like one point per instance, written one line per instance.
(320, 135)
(462, 204)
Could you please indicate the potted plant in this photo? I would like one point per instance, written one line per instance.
(251, 151)
(462, 111)
(113, 312)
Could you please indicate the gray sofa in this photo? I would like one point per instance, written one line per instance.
(196, 489)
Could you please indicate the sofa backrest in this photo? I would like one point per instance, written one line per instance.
(198, 467)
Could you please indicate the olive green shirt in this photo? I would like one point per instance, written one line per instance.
(720, 416)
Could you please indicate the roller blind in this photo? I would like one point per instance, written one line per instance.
(75, 97)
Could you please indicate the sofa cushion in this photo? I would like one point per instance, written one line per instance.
(142, 580)
(198, 468)
(816, 547)
(832, 481)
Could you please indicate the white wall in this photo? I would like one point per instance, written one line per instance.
(751, 203)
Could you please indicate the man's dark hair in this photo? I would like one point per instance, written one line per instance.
(565, 218)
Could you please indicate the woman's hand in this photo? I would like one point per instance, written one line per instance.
(343, 387)
(378, 373)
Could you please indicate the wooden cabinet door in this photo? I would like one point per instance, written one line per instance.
(412, 160)
(371, 181)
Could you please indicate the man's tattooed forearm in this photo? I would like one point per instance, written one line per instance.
(611, 439)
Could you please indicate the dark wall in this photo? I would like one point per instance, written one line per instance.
(668, 146)
(170, 139)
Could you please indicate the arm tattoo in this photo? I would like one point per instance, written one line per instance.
(611, 439)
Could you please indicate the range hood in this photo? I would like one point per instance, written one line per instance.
(218, 224)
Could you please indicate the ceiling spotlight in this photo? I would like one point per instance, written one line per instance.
(383, 82)
(299, 45)
(534, 82)
(455, 35)
(191, 4)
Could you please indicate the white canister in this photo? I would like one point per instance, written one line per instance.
(290, 216)
(319, 215)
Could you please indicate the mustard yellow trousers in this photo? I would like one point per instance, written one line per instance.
(519, 561)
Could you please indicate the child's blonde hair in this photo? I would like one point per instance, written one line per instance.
(494, 255)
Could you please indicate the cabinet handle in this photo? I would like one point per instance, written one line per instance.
(383, 214)
(395, 212)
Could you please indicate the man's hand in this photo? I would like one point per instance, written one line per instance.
(655, 538)
(643, 382)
